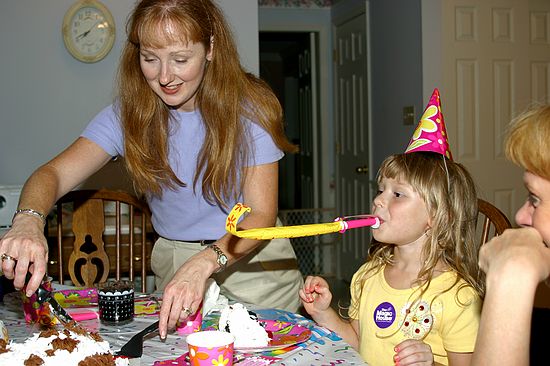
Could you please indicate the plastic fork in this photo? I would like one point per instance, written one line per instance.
(134, 347)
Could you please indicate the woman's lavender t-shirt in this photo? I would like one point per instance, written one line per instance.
(182, 214)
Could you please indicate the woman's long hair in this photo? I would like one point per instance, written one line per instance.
(449, 193)
(227, 94)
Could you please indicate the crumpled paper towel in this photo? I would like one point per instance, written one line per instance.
(213, 300)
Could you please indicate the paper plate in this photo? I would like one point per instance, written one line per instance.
(282, 334)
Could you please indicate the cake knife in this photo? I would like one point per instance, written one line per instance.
(44, 295)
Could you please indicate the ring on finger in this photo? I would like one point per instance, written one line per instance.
(6, 257)
(187, 310)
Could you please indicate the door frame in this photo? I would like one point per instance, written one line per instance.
(295, 20)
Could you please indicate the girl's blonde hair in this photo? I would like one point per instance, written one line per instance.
(449, 193)
(528, 140)
(227, 93)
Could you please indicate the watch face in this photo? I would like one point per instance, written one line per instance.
(222, 259)
(88, 31)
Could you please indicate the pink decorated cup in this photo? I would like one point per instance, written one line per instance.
(192, 324)
(36, 312)
(210, 347)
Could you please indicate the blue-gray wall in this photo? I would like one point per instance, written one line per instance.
(396, 73)
(47, 97)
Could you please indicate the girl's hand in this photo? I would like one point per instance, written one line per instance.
(413, 352)
(315, 295)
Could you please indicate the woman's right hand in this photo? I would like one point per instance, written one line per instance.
(516, 252)
(26, 244)
(315, 295)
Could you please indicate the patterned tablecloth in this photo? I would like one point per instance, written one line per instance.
(323, 347)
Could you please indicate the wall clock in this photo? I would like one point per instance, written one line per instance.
(88, 30)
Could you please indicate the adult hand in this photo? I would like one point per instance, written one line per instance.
(184, 293)
(24, 248)
(516, 251)
(413, 352)
(315, 295)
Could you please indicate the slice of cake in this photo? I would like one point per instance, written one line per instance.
(70, 346)
(244, 325)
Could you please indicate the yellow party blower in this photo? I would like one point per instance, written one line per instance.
(340, 224)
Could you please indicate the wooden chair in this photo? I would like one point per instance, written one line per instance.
(494, 221)
(104, 240)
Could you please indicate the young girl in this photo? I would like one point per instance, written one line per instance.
(416, 301)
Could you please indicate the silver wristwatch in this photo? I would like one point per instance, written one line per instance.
(222, 258)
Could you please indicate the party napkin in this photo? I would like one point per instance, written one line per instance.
(249, 360)
(180, 361)
(147, 306)
(79, 297)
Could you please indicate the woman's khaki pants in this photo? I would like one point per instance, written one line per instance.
(268, 276)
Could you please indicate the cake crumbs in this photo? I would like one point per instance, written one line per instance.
(34, 360)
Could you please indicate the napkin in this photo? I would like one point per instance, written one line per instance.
(213, 300)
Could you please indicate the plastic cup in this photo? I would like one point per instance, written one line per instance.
(116, 302)
(36, 312)
(192, 324)
(210, 347)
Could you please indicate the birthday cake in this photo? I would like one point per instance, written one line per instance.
(70, 346)
(244, 325)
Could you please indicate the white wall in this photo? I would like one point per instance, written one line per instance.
(47, 97)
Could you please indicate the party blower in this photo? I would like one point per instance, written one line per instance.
(340, 224)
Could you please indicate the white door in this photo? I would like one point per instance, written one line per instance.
(352, 150)
(495, 62)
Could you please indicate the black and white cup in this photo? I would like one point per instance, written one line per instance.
(116, 301)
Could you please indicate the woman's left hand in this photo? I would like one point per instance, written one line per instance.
(184, 293)
(413, 352)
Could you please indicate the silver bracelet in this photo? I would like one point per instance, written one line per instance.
(29, 211)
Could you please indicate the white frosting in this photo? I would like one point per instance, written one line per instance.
(248, 332)
(122, 362)
(116, 292)
(19, 352)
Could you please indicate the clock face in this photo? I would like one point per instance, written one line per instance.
(88, 31)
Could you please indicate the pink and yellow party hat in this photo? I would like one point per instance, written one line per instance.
(430, 134)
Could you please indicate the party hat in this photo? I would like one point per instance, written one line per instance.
(430, 134)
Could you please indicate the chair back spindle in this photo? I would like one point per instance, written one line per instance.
(493, 220)
(91, 258)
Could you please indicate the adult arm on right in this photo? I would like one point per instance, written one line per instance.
(515, 263)
(25, 241)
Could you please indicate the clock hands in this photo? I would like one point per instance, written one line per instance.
(84, 34)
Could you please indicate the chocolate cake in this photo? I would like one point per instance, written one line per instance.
(72, 345)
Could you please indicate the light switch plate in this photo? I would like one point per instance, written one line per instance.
(408, 115)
